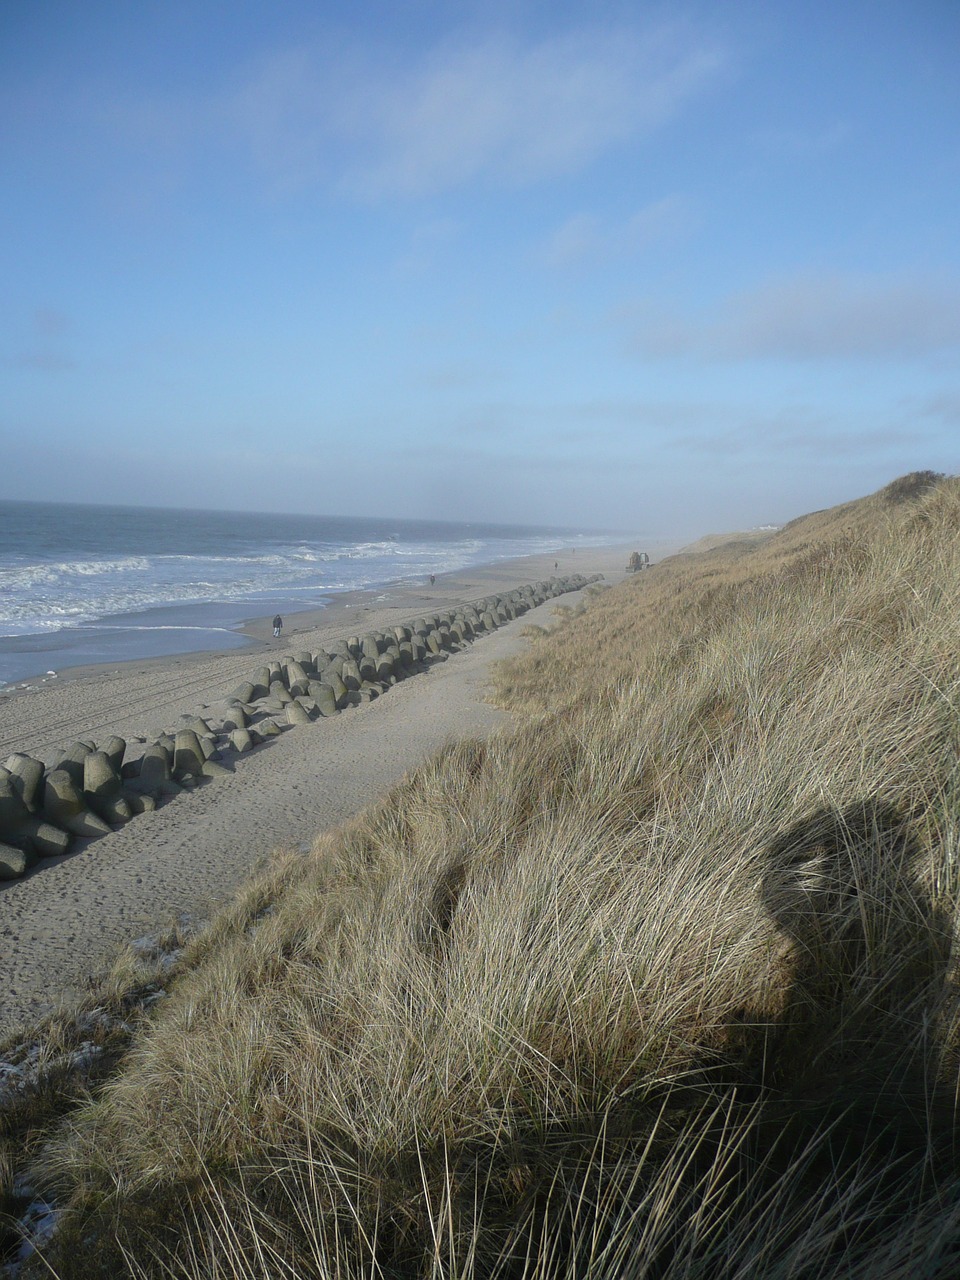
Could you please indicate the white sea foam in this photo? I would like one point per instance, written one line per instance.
(42, 594)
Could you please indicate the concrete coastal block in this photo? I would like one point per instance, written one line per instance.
(21, 829)
(117, 810)
(350, 675)
(213, 769)
(101, 786)
(367, 667)
(246, 692)
(296, 713)
(335, 664)
(188, 754)
(235, 718)
(154, 776)
(12, 809)
(26, 778)
(332, 680)
(193, 724)
(45, 838)
(64, 805)
(240, 740)
(296, 678)
(116, 749)
(14, 862)
(325, 698)
(141, 803)
(100, 778)
(71, 760)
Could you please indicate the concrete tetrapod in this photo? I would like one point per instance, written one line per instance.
(154, 777)
(240, 740)
(64, 805)
(331, 679)
(71, 760)
(324, 696)
(115, 747)
(296, 713)
(14, 862)
(22, 829)
(101, 786)
(26, 778)
(188, 754)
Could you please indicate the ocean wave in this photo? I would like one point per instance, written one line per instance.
(103, 626)
(35, 574)
(43, 597)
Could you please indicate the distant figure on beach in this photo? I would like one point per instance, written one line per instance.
(277, 625)
(556, 565)
(433, 578)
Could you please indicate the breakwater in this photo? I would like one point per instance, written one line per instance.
(91, 788)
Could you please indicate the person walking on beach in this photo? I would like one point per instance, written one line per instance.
(277, 625)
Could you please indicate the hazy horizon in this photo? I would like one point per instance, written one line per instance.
(359, 516)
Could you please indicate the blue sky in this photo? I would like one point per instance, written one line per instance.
(663, 268)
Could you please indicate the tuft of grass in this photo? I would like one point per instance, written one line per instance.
(660, 983)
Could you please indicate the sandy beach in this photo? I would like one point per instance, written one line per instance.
(65, 919)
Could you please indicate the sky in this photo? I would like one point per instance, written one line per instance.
(665, 268)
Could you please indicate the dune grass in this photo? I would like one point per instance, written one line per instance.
(660, 983)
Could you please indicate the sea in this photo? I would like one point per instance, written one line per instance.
(83, 584)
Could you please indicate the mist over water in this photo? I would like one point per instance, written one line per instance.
(85, 584)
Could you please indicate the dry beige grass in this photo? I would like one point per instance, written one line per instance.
(661, 984)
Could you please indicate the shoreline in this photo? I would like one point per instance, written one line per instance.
(257, 627)
(68, 916)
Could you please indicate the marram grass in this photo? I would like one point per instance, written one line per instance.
(659, 984)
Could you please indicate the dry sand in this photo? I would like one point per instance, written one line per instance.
(67, 918)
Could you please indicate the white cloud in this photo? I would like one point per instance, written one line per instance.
(585, 239)
(806, 144)
(495, 109)
(373, 122)
(816, 317)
